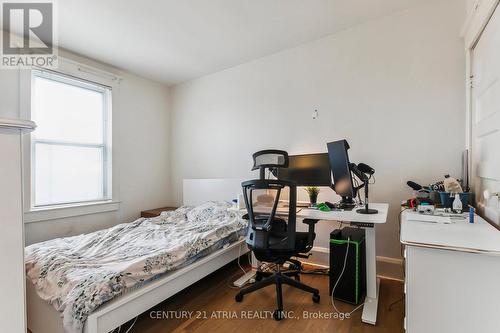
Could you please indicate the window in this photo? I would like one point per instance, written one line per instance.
(70, 160)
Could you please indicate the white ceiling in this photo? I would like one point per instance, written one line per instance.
(176, 40)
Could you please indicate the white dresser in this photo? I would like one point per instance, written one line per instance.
(12, 304)
(452, 276)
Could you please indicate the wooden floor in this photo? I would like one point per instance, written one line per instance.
(212, 296)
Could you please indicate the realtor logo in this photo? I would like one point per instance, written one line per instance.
(28, 36)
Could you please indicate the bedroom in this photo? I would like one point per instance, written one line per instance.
(169, 102)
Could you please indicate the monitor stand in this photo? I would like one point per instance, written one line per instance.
(347, 203)
(366, 210)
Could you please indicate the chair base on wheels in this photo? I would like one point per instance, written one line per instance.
(259, 276)
(278, 279)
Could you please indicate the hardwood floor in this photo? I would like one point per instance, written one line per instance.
(212, 296)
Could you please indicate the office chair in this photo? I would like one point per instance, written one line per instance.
(273, 239)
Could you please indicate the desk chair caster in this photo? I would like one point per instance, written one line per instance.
(294, 274)
(293, 270)
(278, 279)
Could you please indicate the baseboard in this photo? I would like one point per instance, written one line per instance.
(389, 260)
(390, 268)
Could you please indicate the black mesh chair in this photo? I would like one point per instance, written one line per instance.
(271, 234)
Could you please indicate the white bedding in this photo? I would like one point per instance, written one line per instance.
(78, 274)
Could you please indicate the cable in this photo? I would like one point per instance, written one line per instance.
(395, 302)
(356, 308)
(239, 265)
(130, 328)
(401, 250)
(119, 329)
(356, 184)
(340, 276)
(229, 281)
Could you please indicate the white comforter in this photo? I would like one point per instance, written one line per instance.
(78, 274)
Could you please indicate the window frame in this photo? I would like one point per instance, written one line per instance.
(82, 73)
(104, 147)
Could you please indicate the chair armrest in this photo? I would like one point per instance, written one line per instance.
(311, 223)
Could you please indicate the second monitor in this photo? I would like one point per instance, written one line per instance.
(308, 170)
(341, 171)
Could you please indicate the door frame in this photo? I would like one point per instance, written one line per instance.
(474, 27)
(475, 24)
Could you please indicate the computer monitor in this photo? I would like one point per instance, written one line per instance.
(341, 171)
(307, 170)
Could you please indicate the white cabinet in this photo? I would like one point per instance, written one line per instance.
(452, 274)
(12, 302)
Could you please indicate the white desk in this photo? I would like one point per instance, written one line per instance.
(452, 274)
(372, 283)
(346, 215)
(478, 237)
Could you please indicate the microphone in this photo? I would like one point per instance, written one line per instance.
(365, 168)
(414, 185)
(366, 171)
(355, 170)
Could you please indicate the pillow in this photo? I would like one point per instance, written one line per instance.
(211, 210)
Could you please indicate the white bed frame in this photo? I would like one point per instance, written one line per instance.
(43, 318)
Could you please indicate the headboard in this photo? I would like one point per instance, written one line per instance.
(198, 191)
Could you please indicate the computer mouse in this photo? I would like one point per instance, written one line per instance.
(330, 205)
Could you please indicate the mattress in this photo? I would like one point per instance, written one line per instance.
(78, 274)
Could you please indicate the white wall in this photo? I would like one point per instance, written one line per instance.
(469, 5)
(141, 123)
(392, 87)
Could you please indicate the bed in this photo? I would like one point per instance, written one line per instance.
(207, 238)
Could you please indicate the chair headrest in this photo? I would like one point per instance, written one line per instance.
(270, 158)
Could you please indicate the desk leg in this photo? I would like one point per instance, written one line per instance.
(372, 283)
